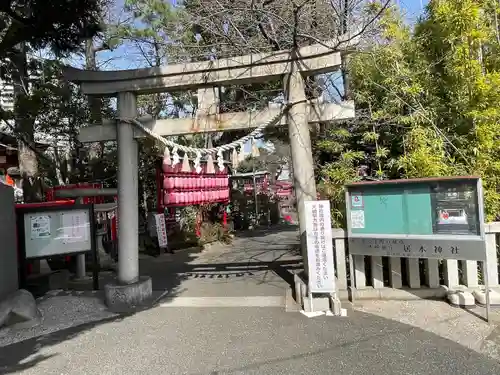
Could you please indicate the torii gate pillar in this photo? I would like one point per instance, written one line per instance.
(130, 289)
(301, 150)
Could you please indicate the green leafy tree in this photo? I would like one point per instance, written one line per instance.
(58, 24)
(426, 102)
(25, 27)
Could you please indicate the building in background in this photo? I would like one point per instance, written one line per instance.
(6, 95)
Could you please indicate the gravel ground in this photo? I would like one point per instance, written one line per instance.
(60, 313)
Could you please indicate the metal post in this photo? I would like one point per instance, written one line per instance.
(81, 272)
(128, 192)
(352, 281)
(256, 207)
(302, 159)
(487, 290)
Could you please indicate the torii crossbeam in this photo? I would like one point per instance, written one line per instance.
(291, 66)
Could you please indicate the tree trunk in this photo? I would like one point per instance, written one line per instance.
(345, 57)
(24, 126)
(95, 104)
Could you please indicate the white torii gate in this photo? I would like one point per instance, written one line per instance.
(291, 66)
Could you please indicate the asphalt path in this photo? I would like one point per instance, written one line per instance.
(210, 341)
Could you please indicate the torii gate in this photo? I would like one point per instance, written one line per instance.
(291, 66)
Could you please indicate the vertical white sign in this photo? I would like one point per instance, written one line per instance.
(161, 230)
(320, 247)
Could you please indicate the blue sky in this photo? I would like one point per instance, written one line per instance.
(124, 57)
(413, 8)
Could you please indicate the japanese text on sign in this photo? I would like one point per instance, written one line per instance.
(415, 248)
(75, 227)
(357, 219)
(319, 247)
(161, 230)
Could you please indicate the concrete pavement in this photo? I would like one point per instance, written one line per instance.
(79, 336)
(220, 341)
(259, 263)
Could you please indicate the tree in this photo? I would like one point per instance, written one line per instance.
(227, 28)
(426, 102)
(27, 26)
(59, 24)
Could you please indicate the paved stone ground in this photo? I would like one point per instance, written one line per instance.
(259, 263)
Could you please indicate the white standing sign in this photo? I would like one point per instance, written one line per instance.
(161, 230)
(320, 247)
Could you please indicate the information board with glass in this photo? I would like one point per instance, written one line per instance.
(418, 218)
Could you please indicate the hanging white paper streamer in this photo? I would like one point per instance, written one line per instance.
(255, 149)
(197, 162)
(175, 157)
(185, 164)
(210, 164)
(241, 156)
(220, 160)
(234, 159)
(166, 157)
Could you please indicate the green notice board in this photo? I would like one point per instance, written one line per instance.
(392, 210)
(415, 207)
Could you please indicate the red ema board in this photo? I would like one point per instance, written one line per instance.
(177, 188)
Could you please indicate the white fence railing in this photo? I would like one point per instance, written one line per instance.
(380, 272)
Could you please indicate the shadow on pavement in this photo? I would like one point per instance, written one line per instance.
(222, 272)
(168, 273)
(367, 344)
(28, 344)
(26, 354)
(262, 232)
(277, 343)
